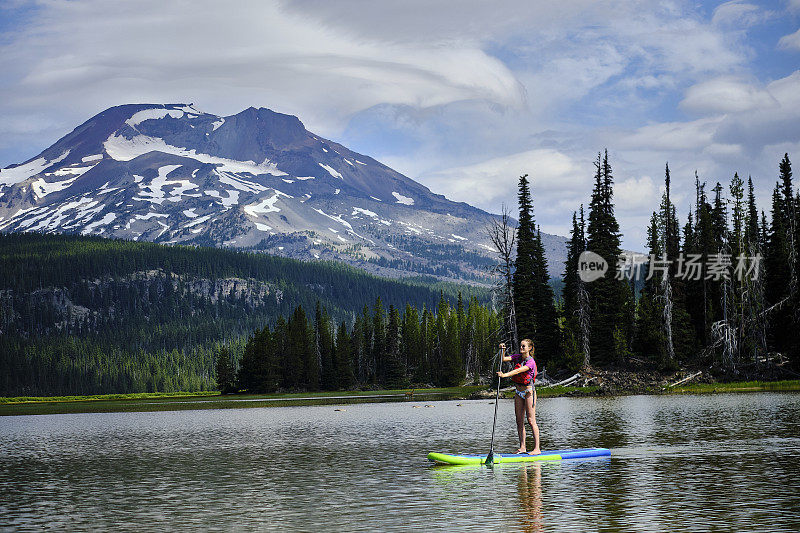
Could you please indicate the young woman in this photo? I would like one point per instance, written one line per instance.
(523, 376)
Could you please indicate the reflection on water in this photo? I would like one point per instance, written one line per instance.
(530, 498)
(691, 463)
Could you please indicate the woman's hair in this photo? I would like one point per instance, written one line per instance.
(530, 343)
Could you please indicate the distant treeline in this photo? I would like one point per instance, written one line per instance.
(440, 346)
(722, 291)
(85, 315)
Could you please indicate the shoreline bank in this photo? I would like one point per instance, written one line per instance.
(143, 402)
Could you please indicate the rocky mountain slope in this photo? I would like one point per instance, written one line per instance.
(257, 179)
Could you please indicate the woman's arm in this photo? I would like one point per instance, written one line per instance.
(514, 372)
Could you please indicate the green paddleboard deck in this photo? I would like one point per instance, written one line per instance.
(551, 455)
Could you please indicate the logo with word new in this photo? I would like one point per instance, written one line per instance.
(591, 266)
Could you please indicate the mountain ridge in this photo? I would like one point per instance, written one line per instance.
(258, 179)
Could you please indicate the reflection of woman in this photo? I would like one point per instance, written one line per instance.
(523, 377)
(530, 498)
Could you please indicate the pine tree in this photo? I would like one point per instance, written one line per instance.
(453, 366)
(533, 295)
(412, 347)
(395, 373)
(777, 261)
(524, 282)
(323, 344)
(345, 378)
(573, 339)
(752, 233)
(378, 342)
(607, 295)
(677, 323)
(649, 339)
(225, 373)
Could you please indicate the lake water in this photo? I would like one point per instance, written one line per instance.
(692, 463)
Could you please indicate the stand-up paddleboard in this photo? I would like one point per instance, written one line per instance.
(552, 455)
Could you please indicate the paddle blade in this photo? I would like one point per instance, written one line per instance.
(489, 459)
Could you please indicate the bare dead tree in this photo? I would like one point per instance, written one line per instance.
(583, 321)
(503, 236)
(666, 294)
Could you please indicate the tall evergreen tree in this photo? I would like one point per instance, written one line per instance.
(524, 282)
(225, 372)
(453, 367)
(533, 295)
(395, 372)
(323, 346)
(607, 295)
(752, 233)
(778, 260)
(378, 341)
(345, 377)
(575, 339)
(650, 342)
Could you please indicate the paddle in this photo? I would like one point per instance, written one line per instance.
(490, 458)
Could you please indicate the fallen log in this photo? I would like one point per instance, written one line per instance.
(684, 380)
(565, 382)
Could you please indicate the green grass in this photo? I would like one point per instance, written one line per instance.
(131, 396)
(736, 386)
(109, 403)
(561, 390)
(168, 401)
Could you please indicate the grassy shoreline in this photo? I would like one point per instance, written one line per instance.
(163, 401)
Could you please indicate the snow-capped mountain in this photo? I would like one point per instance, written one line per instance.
(257, 179)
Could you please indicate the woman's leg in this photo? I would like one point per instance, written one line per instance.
(519, 411)
(530, 408)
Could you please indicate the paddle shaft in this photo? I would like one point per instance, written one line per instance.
(496, 398)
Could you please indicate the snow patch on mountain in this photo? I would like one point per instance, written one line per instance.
(265, 206)
(121, 149)
(337, 218)
(262, 227)
(152, 114)
(10, 176)
(405, 200)
(240, 183)
(231, 200)
(109, 217)
(367, 212)
(333, 172)
(197, 221)
(42, 188)
(70, 171)
(153, 192)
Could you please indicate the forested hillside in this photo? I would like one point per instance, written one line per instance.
(85, 315)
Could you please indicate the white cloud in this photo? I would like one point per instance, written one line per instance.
(494, 181)
(670, 136)
(433, 89)
(227, 59)
(739, 14)
(790, 42)
(726, 95)
(636, 195)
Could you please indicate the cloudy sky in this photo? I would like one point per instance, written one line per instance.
(461, 96)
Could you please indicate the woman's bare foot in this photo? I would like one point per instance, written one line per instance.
(537, 451)
(521, 450)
